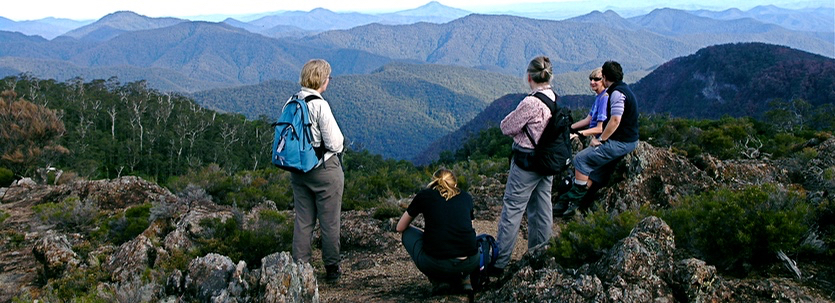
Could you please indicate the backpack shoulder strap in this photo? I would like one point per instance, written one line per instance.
(552, 105)
(311, 98)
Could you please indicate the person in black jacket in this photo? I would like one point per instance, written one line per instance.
(445, 251)
(619, 137)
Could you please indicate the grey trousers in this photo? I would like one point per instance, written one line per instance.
(317, 194)
(525, 191)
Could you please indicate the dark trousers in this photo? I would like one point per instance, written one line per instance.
(437, 270)
(317, 194)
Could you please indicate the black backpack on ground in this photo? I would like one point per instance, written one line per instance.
(552, 154)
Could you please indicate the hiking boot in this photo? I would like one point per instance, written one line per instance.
(573, 196)
(559, 208)
(569, 211)
(333, 272)
(440, 288)
(494, 271)
(467, 287)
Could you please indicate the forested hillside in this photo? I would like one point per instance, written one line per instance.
(396, 111)
(113, 129)
(739, 80)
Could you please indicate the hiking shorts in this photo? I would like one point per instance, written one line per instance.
(594, 157)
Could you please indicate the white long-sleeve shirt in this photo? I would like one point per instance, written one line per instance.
(323, 124)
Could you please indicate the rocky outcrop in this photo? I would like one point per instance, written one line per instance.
(131, 259)
(639, 268)
(282, 280)
(209, 277)
(55, 253)
(654, 176)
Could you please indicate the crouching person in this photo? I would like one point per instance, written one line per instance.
(445, 251)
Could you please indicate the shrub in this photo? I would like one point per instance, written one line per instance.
(3, 216)
(272, 232)
(587, 239)
(824, 218)
(71, 213)
(6, 177)
(127, 226)
(386, 211)
(732, 228)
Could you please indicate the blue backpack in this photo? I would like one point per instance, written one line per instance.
(292, 148)
(488, 252)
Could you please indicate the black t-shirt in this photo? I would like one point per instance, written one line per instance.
(449, 229)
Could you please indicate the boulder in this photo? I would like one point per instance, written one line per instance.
(208, 276)
(131, 259)
(55, 253)
(283, 280)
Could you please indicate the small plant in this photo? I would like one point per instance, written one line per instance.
(587, 239)
(6, 177)
(127, 226)
(272, 232)
(71, 213)
(3, 216)
(386, 211)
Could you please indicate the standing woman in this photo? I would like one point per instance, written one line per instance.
(526, 190)
(446, 250)
(317, 194)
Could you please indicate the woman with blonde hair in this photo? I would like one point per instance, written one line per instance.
(317, 194)
(445, 251)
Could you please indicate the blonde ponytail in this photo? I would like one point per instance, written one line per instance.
(445, 183)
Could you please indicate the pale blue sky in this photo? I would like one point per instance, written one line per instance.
(20, 10)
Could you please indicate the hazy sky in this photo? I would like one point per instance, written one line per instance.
(20, 10)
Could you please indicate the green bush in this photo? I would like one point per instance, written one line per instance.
(3, 216)
(587, 239)
(733, 228)
(71, 213)
(127, 226)
(6, 177)
(386, 211)
(272, 232)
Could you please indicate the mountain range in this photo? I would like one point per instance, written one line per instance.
(419, 81)
(187, 56)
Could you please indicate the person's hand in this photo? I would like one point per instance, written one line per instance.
(595, 142)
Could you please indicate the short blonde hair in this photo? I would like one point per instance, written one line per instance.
(314, 73)
(444, 182)
(597, 73)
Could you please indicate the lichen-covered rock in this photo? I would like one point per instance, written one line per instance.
(208, 276)
(697, 282)
(655, 176)
(131, 259)
(283, 280)
(55, 253)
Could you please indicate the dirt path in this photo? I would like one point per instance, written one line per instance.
(391, 276)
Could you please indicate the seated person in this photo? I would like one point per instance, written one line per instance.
(446, 250)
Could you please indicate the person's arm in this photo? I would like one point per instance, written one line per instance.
(404, 222)
(617, 100)
(593, 131)
(582, 123)
(332, 137)
(514, 121)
